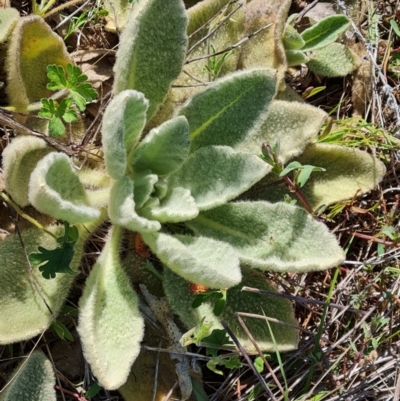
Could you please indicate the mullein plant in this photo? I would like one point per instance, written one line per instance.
(183, 183)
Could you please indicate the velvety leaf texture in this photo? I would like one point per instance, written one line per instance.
(227, 110)
(324, 32)
(164, 149)
(123, 122)
(23, 313)
(216, 174)
(152, 49)
(110, 324)
(33, 46)
(19, 159)
(349, 172)
(33, 380)
(277, 237)
(293, 124)
(177, 206)
(55, 189)
(334, 60)
(121, 209)
(200, 260)
(181, 299)
(8, 19)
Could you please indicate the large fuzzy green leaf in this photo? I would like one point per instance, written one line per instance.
(122, 208)
(180, 298)
(19, 159)
(123, 122)
(110, 324)
(277, 237)
(55, 189)
(164, 149)
(349, 172)
(200, 260)
(324, 32)
(33, 46)
(152, 49)
(225, 112)
(293, 124)
(23, 312)
(334, 60)
(32, 380)
(8, 19)
(217, 174)
(178, 205)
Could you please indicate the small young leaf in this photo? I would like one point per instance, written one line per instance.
(232, 362)
(259, 364)
(290, 167)
(93, 390)
(62, 331)
(305, 174)
(324, 32)
(58, 112)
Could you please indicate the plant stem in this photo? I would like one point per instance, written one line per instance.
(294, 188)
(25, 216)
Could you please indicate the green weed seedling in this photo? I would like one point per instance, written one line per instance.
(79, 93)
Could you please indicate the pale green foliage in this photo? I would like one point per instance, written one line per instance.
(124, 120)
(229, 108)
(55, 189)
(315, 47)
(34, 380)
(110, 325)
(324, 32)
(33, 46)
(268, 236)
(19, 159)
(180, 298)
(291, 124)
(291, 39)
(215, 175)
(23, 312)
(8, 19)
(122, 208)
(342, 61)
(349, 172)
(151, 50)
(164, 149)
(200, 260)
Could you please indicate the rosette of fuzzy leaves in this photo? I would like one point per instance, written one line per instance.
(158, 180)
